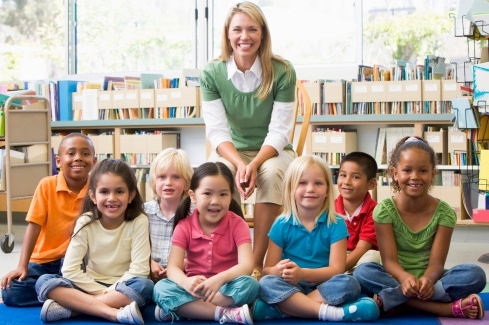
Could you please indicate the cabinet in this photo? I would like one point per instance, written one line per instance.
(28, 155)
(192, 133)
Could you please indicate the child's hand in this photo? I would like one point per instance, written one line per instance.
(158, 272)
(19, 273)
(292, 273)
(191, 283)
(208, 289)
(410, 287)
(426, 289)
(280, 266)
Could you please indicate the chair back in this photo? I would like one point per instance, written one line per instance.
(303, 107)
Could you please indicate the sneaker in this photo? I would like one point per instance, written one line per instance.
(52, 311)
(130, 315)
(363, 309)
(160, 316)
(262, 311)
(238, 315)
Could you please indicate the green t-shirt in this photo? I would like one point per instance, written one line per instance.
(414, 248)
(247, 116)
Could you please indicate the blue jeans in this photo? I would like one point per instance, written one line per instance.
(169, 295)
(455, 283)
(138, 289)
(23, 293)
(340, 289)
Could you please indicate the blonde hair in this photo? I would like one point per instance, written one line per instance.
(171, 157)
(264, 51)
(291, 182)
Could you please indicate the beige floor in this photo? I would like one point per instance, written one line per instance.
(468, 245)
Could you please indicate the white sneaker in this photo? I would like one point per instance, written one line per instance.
(130, 315)
(52, 311)
(239, 315)
(160, 317)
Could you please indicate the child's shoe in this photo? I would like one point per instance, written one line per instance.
(52, 311)
(364, 309)
(130, 315)
(160, 316)
(238, 315)
(262, 311)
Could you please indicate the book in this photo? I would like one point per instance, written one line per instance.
(66, 88)
(466, 116)
(149, 80)
(380, 149)
(484, 171)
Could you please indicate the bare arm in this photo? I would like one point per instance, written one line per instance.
(436, 263)
(356, 254)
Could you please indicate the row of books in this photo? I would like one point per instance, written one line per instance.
(340, 97)
(136, 104)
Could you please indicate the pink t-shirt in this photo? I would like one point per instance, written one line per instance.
(210, 255)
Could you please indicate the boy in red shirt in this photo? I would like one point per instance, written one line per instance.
(358, 175)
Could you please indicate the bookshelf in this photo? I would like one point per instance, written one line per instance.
(27, 153)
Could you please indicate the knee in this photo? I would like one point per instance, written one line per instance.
(138, 289)
(48, 282)
(362, 271)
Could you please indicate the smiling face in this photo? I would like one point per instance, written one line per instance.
(311, 191)
(353, 182)
(245, 37)
(414, 172)
(169, 184)
(75, 158)
(212, 199)
(111, 197)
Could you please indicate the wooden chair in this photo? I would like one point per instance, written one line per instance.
(303, 107)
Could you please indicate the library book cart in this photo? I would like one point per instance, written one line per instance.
(28, 156)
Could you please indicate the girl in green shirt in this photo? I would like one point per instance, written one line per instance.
(414, 230)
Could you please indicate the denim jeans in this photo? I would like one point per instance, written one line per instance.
(169, 295)
(138, 289)
(340, 289)
(455, 283)
(23, 293)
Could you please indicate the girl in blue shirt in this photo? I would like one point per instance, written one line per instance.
(305, 264)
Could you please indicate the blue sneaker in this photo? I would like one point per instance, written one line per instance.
(363, 309)
(263, 311)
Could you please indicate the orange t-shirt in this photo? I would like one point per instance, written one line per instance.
(55, 208)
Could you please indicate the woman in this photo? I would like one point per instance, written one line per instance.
(248, 109)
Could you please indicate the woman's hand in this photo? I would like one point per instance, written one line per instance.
(246, 179)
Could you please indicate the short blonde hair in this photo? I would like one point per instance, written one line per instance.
(171, 157)
(291, 182)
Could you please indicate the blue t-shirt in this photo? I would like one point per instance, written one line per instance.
(307, 249)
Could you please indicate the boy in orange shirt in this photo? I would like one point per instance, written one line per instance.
(358, 175)
(51, 217)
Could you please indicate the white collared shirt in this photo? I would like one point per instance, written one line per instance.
(217, 129)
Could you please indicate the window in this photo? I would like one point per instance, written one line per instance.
(38, 41)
